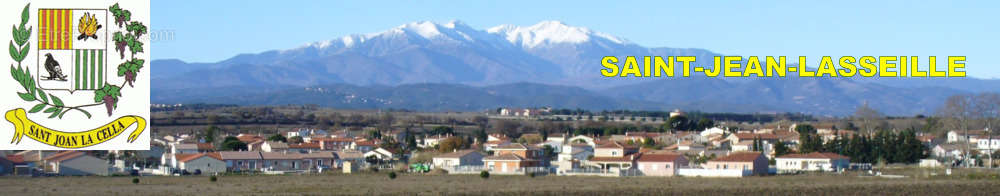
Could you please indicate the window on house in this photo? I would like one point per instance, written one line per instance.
(725, 167)
(667, 166)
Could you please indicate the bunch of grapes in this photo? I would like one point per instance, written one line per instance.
(109, 103)
(130, 77)
(120, 47)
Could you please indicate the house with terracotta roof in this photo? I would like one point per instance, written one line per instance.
(384, 154)
(497, 137)
(274, 146)
(304, 147)
(13, 164)
(76, 163)
(203, 163)
(459, 158)
(364, 145)
(816, 161)
(327, 143)
(614, 155)
(957, 136)
(577, 151)
(34, 158)
(661, 164)
(754, 163)
(281, 161)
(489, 145)
(319, 160)
(249, 138)
(432, 140)
(514, 158)
(242, 160)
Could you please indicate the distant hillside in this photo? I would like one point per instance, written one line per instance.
(431, 66)
(427, 97)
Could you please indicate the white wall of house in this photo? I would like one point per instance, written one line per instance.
(608, 152)
(808, 164)
(657, 168)
(989, 144)
(206, 164)
(82, 165)
(469, 159)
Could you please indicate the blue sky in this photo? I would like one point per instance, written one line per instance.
(209, 31)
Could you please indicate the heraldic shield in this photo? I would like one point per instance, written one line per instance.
(72, 49)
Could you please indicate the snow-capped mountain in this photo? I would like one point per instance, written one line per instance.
(548, 52)
(551, 32)
(549, 56)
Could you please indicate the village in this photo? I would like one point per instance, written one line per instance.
(700, 148)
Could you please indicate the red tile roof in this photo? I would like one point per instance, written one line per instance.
(247, 138)
(15, 158)
(504, 157)
(65, 155)
(613, 159)
(190, 157)
(816, 155)
(739, 157)
(750, 136)
(304, 146)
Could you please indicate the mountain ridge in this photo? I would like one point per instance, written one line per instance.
(552, 54)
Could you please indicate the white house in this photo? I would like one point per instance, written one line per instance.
(582, 139)
(955, 136)
(575, 152)
(458, 158)
(431, 141)
(713, 130)
(948, 151)
(76, 163)
(816, 161)
(304, 133)
(382, 154)
(743, 146)
(272, 146)
(206, 163)
(986, 144)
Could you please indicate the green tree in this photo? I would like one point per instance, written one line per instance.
(277, 138)
(676, 123)
(231, 143)
(411, 141)
(443, 130)
(450, 144)
(705, 123)
(780, 149)
(210, 134)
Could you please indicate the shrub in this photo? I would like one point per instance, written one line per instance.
(532, 174)
(484, 174)
(213, 178)
(135, 180)
(392, 175)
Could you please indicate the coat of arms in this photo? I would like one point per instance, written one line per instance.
(86, 60)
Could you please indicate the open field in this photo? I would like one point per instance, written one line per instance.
(410, 184)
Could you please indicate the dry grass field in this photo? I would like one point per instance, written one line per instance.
(416, 184)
